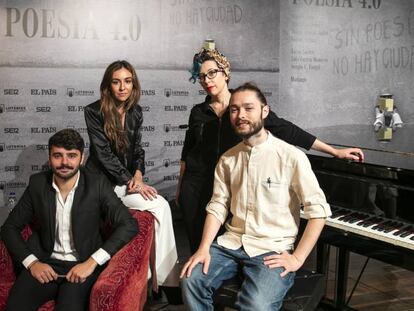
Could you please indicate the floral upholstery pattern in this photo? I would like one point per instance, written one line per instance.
(121, 286)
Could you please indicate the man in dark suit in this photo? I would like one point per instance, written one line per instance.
(65, 206)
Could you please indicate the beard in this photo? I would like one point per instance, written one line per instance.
(254, 128)
(65, 176)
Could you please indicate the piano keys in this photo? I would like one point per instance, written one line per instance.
(372, 215)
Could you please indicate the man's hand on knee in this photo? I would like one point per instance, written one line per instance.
(81, 271)
(201, 256)
(284, 260)
(43, 272)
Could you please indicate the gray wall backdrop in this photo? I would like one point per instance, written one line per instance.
(53, 55)
(335, 58)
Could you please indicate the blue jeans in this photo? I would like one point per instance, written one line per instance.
(262, 287)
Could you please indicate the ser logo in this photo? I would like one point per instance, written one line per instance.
(12, 168)
(11, 130)
(42, 147)
(43, 109)
(11, 92)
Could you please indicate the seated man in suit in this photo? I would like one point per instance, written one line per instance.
(65, 253)
(262, 183)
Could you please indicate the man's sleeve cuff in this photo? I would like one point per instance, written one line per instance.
(101, 256)
(29, 260)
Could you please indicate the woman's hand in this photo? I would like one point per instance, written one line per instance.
(136, 185)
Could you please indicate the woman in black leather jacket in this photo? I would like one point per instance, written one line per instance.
(210, 134)
(114, 129)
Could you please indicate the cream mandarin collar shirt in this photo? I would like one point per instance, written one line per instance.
(264, 187)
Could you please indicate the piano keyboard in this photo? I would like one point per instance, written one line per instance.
(371, 226)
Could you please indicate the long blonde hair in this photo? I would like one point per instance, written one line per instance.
(112, 119)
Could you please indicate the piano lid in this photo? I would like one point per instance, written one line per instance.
(397, 153)
(382, 191)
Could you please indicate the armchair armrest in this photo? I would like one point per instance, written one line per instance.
(123, 283)
(7, 276)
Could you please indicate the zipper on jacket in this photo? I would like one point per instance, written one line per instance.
(218, 140)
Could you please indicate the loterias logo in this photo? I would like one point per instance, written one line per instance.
(73, 92)
(171, 92)
(174, 128)
(4, 147)
(168, 162)
(16, 184)
(12, 108)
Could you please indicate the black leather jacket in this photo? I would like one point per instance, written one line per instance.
(119, 168)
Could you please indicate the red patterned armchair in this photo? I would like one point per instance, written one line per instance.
(121, 286)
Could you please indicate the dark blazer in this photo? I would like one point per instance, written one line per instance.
(119, 168)
(94, 201)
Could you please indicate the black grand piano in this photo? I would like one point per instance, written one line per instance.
(373, 213)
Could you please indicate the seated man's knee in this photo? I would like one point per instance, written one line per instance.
(197, 282)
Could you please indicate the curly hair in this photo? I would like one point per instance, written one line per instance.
(68, 139)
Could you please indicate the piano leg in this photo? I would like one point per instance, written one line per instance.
(322, 258)
(342, 267)
(341, 275)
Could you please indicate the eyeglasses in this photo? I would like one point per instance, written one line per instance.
(211, 74)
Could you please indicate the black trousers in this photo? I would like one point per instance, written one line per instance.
(29, 294)
(195, 193)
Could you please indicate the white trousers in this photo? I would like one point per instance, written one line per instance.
(166, 265)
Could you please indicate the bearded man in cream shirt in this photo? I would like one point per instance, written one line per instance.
(263, 182)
